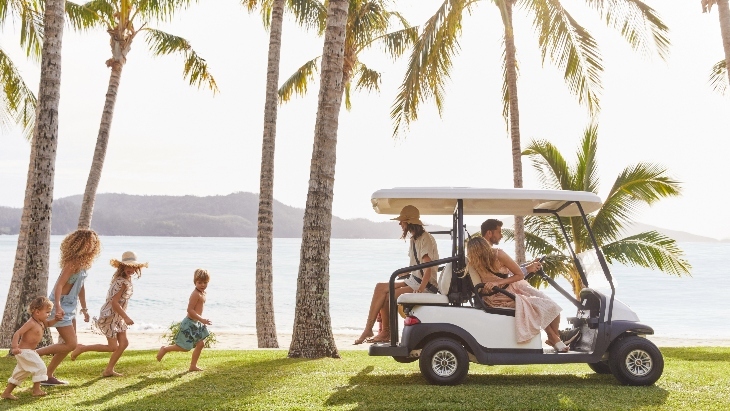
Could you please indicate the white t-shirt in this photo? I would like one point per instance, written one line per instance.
(425, 245)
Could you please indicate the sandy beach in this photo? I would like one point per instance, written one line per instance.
(247, 341)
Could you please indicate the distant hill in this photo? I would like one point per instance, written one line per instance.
(233, 215)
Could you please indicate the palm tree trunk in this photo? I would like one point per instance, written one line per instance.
(102, 140)
(45, 139)
(312, 336)
(265, 322)
(12, 303)
(723, 10)
(514, 123)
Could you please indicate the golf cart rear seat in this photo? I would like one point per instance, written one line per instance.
(475, 284)
(444, 282)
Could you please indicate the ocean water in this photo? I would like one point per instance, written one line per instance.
(693, 306)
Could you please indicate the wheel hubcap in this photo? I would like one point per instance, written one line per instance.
(444, 363)
(638, 362)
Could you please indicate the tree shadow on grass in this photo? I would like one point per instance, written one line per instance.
(367, 391)
(227, 385)
(142, 383)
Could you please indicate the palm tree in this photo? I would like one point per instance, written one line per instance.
(17, 101)
(720, 76)
(124, 19)
(637, 185)
(560, 39)
(79, 18)
(45, 141)
(308, 13)
(368, 23)
(312, 335)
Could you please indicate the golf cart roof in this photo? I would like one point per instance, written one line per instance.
(484, 201)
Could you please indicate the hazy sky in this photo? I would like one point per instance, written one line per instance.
(169, 138)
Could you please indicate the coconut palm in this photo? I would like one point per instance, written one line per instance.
(45, 141)
(31, 36)
(719, 76)
(368, 23)
(637, 185)
(560, 39)
(308, 13)
(124, 20)
(312, 335)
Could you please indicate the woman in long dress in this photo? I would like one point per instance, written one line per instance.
(533, 309)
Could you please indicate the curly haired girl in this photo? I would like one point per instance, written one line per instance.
(78, 251)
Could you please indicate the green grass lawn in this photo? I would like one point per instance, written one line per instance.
(694, 379)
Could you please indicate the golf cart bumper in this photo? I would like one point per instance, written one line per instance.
(387, 350)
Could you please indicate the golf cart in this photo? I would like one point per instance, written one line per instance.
(448, 330)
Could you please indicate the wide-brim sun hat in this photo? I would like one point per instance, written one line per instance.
(129, 259)
(410, 215)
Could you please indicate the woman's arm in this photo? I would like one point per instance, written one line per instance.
(118, 307)
(66, 273)
(512, 266)
(427, 272)
(82, 301)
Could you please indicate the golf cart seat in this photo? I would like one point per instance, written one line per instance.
(478, 301)
(444, 283)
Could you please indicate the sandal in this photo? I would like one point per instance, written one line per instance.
(558, 346)
(363, 340)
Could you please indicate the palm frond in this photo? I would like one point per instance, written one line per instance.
(311, 14)
(569, 46)
(397, 42)
(297, 83)
(195, 68)
(348, 102)
(429, 65)
(636, 186)
(639, 24)
(586, 171)
(367, 79)
(719, 78)
(105, 10)
(650, 250)
(158, 10)
(30, 14)
(82, 17)
(552, 169)
(17, 100)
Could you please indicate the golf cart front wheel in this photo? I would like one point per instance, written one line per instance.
(444, 362)
(636, 361)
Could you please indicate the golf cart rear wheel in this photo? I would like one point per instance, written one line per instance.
(444, 362)
(601, 367)
(636, 361)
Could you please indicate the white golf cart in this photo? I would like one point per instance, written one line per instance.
(446, 331)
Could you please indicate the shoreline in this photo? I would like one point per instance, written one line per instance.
(231, 340)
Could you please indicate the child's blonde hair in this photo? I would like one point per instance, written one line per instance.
(201, 275)
(81, 247)
(39, 303)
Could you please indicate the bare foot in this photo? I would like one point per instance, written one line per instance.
(9, 397)
(363, 337)
(76, 352)
(161, 353)
(111, 374)
(39, 393)
(195, 369)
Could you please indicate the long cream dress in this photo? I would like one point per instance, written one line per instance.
(534, 310)
(109, 322)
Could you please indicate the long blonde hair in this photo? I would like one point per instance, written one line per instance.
(80, 247)
(481, 255)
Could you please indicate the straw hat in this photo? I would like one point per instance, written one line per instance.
(410, 215)
(129, 259)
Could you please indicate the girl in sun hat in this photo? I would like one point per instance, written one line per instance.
(113, 319)
(422, 250)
